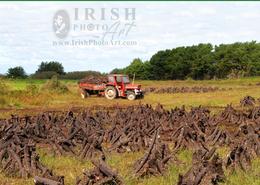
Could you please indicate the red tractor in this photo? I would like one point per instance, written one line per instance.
(117, 85)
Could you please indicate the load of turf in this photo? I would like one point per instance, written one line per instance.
(94, 79)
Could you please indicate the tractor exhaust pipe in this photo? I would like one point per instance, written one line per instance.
(133, 79)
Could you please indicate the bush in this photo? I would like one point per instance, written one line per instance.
(51, 66)
(16, 72)
(44, 75)
(55, 85)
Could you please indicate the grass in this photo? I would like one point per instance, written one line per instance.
(26, 97)
(69, 166)
(250, 177)
(19, 99)
(72, 167)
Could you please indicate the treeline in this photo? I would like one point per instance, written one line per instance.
(46, 70)
(75, 75)
(203, 61)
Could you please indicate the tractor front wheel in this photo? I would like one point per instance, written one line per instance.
(110, 92)
(131, 95)
(84, 94)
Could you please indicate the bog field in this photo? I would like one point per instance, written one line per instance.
(181, 133)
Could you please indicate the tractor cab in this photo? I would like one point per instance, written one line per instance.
(119, 86)
(118, 78)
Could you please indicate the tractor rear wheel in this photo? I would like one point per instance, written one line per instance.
(131, 95)
(110, 92)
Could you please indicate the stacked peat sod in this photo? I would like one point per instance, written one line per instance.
(18, 155)
(247, 101)
(94, 79)
(206, 169)
(65, 133)
(243, 151)
(155, 160)
(84, 134)
(194, 89)
(131, 130)
(60, 131)
(101, 174)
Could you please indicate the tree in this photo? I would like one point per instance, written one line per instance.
(202, 61)
(238, 58)
(159, 62)
(146, 73)
(136, 67)
(51, 66)
(16, 72)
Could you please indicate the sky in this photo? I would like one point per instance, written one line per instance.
(27, 36)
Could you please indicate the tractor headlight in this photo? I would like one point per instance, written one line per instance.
(138, 91)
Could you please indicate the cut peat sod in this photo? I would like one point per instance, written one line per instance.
(159, 134)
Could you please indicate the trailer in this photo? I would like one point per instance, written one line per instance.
(117, 85)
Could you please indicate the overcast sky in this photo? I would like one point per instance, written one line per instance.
(27, 36)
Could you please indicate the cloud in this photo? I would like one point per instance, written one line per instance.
(27, 36)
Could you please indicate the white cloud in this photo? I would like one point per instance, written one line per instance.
(26, 31)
